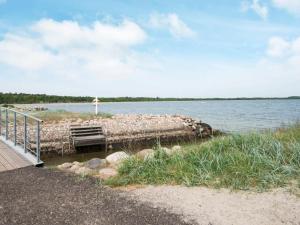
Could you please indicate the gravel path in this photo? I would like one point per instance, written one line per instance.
(222, 207)
(41, 196)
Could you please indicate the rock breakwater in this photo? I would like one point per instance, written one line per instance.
(55, 135)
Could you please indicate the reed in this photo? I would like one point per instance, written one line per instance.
(240, 161)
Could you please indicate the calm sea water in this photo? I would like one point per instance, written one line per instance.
(232, 116)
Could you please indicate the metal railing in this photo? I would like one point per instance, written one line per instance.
(23, 131)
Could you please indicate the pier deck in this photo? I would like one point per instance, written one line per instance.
(10, 159)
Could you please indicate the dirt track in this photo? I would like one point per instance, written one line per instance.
(41, 196)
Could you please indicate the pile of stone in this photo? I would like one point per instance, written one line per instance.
(55, 134)
(32, 108)
(102, 168)
(107, 168)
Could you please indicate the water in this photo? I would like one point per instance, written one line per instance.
(55, 160)
(232, 116)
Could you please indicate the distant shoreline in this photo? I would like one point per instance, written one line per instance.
(22, 98)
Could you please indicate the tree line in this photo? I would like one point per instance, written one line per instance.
(23, 98)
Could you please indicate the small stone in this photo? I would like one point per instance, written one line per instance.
(84, 171)
(96, 163)
(74, 168)
(78, 163)
(176, 148)
(107, 173)
(145, 154)
(117, 157)
(65, 166)
(169, 151)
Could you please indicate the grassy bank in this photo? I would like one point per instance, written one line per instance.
(50, 116)
(246, 161)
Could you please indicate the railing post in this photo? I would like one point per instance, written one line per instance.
(15, 128)
(0, 121)
(25, 134)
(38, 141)
(6, 124)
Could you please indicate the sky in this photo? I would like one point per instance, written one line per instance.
(178, 48)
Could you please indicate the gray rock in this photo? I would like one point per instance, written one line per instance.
(96, 163)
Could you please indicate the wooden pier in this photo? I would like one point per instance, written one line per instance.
(10, 159)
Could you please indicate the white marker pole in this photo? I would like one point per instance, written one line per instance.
(96, 108)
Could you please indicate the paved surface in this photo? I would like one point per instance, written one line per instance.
(41, 196)
(9, 159)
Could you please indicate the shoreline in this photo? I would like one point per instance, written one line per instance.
(163, 100)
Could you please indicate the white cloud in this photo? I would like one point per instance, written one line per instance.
(279, 47)
(292, 6)
(257, 7)
(172, 23)
(284, 56)
(70, 49)
(2, 1)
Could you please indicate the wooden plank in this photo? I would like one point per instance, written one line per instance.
(97, 137)
(85, 128)
(5, 163)
(10, 159)
(87, 134)
(2, 168)
(85, 131)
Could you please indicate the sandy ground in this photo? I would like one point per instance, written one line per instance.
(205, 206)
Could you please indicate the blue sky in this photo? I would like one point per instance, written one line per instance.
(151, 48)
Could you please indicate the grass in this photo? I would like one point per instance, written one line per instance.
(50, 116)
(241, 161)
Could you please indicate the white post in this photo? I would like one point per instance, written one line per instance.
(96, 105)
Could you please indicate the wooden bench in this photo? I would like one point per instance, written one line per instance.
(87, 136)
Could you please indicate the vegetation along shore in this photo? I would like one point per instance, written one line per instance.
(22, 98)
(255, 161)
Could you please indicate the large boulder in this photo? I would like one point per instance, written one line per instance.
(116, 158)
(96, 163)
(106, 173)
(84, 171)
(65, 166)
(145, 154)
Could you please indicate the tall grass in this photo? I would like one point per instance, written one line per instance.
(240, 161)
